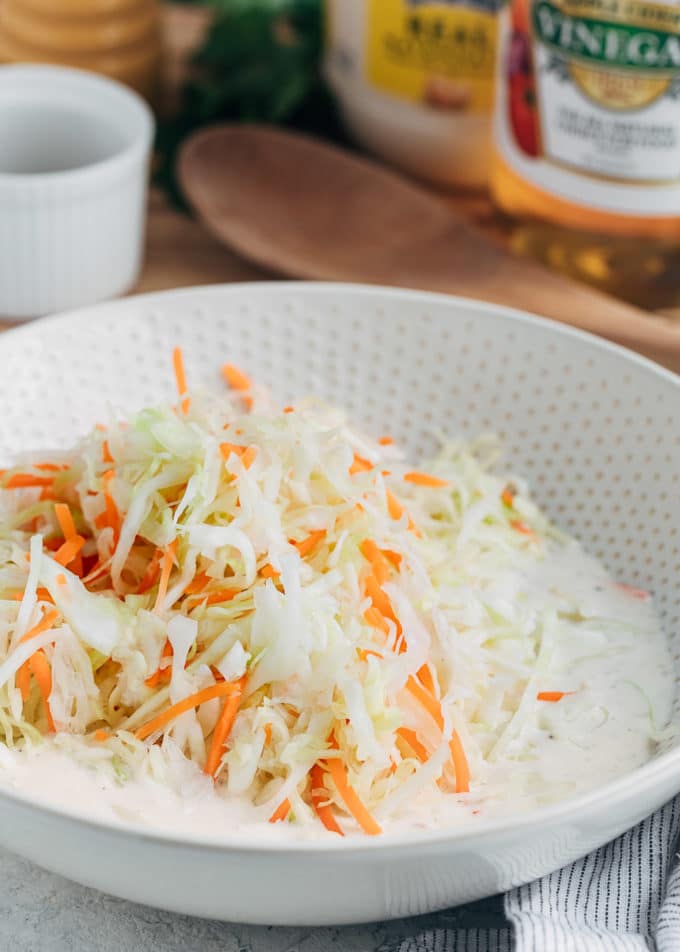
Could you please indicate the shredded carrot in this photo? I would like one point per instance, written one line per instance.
(223, 689)
(320, 803)
(65, 520)
(32, 525)
(552, 696)
(378, 560)
(223, 595)
(424, 479)
(168, 560)
(360, 465)
(40, 669)
(305, 546)
(101, 735)
(365, 653)
(106, 452)
(246, 454)
(223, 727)
(376, 620)
(267, 733)
(180, 377)
(41, 594)
(249, 456)
(361, 814)
(430, 703)
(396, 511)
(161, 674)
(236, 378)
(97, 571)
(226, 449)
(508, 497)
(380, 599)
(386, 441)
(522, 527)
(44, 624)
(110, 517)
(22, 680)
(148, 580)
(248, 401)
(426, 679)
(27, 481)
(394, 507)
(281, 812)
(460, 764)
(411, 739)
(268, 571)
(60, 579)
(288, 409)
(199, 583)
(393, 557)
(67, 552)
(68, 527)
(639, 593)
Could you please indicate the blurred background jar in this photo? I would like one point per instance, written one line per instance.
(415, 82)
(118, 38)
(586, 156)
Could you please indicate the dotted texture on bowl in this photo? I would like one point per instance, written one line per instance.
(593, 428)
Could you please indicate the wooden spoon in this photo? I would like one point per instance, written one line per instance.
(307, 209)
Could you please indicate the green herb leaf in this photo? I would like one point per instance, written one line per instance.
(260, 62)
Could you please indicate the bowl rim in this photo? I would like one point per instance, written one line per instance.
(61, 84)
(639, 784)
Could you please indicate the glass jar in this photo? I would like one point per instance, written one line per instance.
(586, 153)
(414, 80)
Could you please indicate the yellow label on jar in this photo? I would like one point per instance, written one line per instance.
(442, 54)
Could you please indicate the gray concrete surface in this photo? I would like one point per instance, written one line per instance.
(41, 912)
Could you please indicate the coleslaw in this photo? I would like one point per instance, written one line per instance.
(272, 599)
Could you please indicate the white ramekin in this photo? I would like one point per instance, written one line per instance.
(74, 161)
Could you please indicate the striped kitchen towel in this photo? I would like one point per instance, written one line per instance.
(624, 897)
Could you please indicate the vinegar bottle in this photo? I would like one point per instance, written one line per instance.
(119, 38)
(586, 154)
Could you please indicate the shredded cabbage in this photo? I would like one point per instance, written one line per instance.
(345, 604)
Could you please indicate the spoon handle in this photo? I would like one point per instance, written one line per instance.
(486, 271)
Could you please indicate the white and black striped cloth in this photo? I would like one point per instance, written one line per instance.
(624, 897)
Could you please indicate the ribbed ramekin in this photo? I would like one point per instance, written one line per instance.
(74, 162)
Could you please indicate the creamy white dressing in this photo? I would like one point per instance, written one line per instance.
(615, 666)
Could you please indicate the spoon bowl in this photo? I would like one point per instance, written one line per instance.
(304, 208)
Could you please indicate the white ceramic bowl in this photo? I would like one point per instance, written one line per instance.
(593, 427)
(74, 157)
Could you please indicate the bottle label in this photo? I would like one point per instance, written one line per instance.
(589, 101)
(440, 53)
